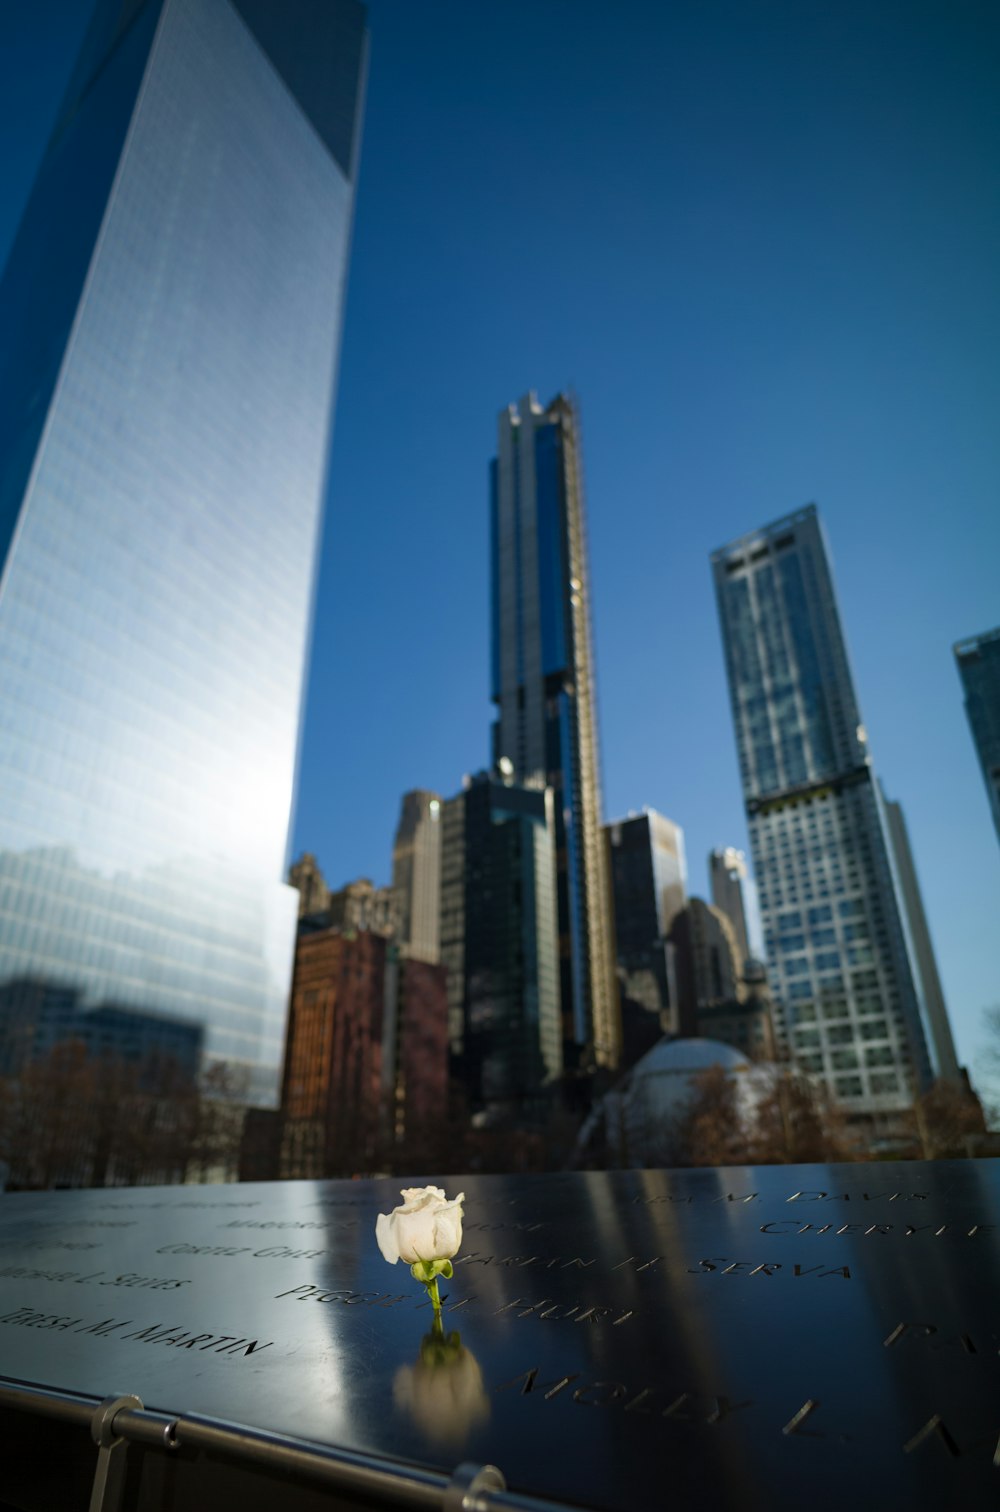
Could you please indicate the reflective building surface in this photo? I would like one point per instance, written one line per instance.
(171, 312)
(978, 661)
(499, 941)
(848, 999)
(542, 683)
(747, 1340)
(648, 877)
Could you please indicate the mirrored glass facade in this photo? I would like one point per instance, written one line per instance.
(848, 999)
(499, 942)
(542, 683)
(163, 473)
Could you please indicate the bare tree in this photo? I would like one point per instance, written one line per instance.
(70, 1119)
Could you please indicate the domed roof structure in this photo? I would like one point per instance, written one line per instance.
(687, 1057)
(639, 1119)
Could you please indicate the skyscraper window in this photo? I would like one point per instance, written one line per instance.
(171, 311)
(818, 822)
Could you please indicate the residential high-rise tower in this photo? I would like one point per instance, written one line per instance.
(542, 682)
(847, 992)
(171, 318)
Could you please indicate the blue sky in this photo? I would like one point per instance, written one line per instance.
(761, 243)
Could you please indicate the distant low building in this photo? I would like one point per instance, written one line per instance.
(356, 905)
(362, 905)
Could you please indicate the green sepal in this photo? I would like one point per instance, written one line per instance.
(426, 1271)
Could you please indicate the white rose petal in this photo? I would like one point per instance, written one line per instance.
(426, 1227)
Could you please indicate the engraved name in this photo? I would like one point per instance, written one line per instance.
(901, 1230)
(795, 1197)
(155, 1333)
(748, 1268)
(129, 1278)
(520, 1307)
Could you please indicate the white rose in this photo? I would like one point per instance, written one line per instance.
(426, 1227)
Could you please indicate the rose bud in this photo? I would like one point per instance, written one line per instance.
(426, 1228)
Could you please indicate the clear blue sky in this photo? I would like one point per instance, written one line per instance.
(762, 243)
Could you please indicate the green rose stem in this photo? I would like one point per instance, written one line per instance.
(427, 1272)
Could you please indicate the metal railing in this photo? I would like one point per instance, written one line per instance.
(118, 1421)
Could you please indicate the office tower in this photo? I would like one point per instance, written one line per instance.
(705, 962)
(845, 988)
(542, 683)
(978, 661)
(648, 879)
(171, 316)
(499, 941)
(920, 942)
(718, 995)
(416, 874)
(415, 1057)
(307, 879)
(366, 1061)
(734, 892)
(332, 1105)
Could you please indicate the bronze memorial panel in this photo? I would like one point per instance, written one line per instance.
(821, 1336)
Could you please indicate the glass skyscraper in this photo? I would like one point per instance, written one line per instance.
(848, 1001)
(648, 874)
(171, 313)
(978, 661)
(542, 682)
(499, 941)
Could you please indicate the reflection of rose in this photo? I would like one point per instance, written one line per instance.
(443, 1392)
(426, 1227)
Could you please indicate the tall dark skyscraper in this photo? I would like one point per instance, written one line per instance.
(649, 888)
(978, 661)
(171, 318)
(499, 941)
(542, 682)
(847, 991)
